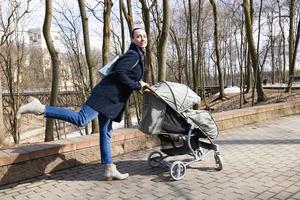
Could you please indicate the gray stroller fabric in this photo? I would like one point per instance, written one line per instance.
(179, 96)
(204, 120)
(153, 114)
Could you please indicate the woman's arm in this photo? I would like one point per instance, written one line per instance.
(123, 68)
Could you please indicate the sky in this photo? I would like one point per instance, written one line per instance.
(95, 27)
(36, 18)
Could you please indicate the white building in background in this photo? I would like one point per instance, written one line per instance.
(36, 39)
(41, 54)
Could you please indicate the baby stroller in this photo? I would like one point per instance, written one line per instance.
(182, 131)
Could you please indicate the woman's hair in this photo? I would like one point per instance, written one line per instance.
(133, 30)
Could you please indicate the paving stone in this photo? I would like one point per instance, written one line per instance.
(258, 164)
(283, 195)
(296, 196)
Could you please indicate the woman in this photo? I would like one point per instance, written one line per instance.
(107, 100)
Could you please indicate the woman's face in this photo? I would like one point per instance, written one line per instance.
(140, 38)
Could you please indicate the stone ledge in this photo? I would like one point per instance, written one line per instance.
(239, 117)
(21, 163)
(34, 151)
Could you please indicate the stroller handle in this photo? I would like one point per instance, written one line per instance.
(147, 87)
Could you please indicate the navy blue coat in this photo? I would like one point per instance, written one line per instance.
(110, 95)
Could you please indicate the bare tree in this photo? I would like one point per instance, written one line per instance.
(106, 31)
(187, 24)
(128, 14)
(149, 57)
(49, 136)
(2, 130)
(283, 41)
(89, 60)
(122, 26)
(292, 68)
(12, 62)
(176, 41)
(12, 56)
(237, 21)
(292, 45)
(163, 42)
(200, 57)
(256, 71)
(70, 37)
(270, 18)
(260, 93)
(194, 70)
(218, 59)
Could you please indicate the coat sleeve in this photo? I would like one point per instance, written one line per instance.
(122, 70)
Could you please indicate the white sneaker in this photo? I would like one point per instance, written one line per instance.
(111, 173)
(33, 106)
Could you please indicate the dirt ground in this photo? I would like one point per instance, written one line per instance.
(233, 100)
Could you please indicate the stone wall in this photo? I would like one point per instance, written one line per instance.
(22, 163)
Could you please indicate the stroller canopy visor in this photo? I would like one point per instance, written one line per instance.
(180, 97)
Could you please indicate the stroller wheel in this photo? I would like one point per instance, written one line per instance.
(177, 170)
(199, 153)
(219, 161)
(155, 158)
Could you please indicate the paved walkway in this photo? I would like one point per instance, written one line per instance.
(261, 161)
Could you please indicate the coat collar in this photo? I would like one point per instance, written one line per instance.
(137, 49)
(140, 51)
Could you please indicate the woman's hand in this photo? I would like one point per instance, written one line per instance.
(143, 84)
(147, 87)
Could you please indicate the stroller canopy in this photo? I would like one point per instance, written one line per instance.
(169, 110)
(180, 97)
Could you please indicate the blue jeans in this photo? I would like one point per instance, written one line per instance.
(83, 117)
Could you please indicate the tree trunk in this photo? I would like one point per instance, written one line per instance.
(122, 27)
(239, 51)
(163, 42)
(283, 42)
(243, 57)
(260, 93)
(106, 31)
(176, 42)
(257, 47)
(49, 136)
(186, 69)
(248, 71)
(292, 68)
(291, 46)
(200, 64)
(216, 40)
(128, 15)
(194, 74)
(272, 41)
(150, 70)
(89, 60)
(2, 128)
(129, 19)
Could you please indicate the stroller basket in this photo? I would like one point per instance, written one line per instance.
(173, 145)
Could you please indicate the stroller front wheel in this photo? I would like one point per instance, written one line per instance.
(155, 158)
(219, 161)
(177, 170)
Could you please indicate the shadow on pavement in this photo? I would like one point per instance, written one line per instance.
(259, 141)
(22, 171)
(95, 172)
